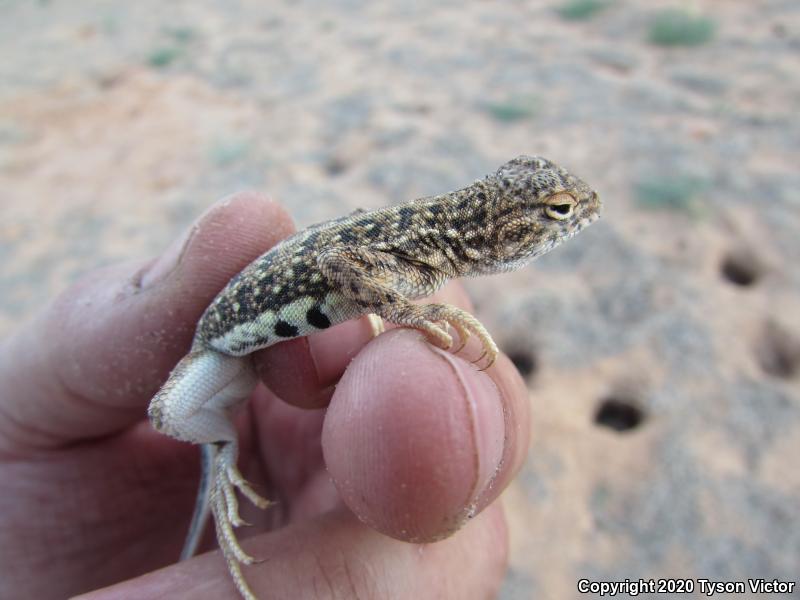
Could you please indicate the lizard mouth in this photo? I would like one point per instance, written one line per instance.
(588, 220)
(582, 224)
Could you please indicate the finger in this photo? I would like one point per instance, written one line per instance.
(88, 364)
(303, 371)
(289, 440)
(418, 441)
(334, 556)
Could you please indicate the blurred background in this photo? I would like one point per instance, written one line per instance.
(661, 346)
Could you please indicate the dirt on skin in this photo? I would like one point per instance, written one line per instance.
(661, 346)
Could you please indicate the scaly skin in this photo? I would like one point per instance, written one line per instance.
(370, 262)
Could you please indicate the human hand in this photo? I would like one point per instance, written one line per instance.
(415, 440)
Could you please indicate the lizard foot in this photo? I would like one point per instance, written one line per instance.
(225, 508)
(434, 319)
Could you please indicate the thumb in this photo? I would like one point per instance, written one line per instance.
(90, 362)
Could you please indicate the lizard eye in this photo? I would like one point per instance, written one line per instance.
(560, 206)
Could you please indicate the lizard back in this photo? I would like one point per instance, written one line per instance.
(496, 224)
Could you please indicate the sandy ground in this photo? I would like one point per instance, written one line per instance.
(662, 346)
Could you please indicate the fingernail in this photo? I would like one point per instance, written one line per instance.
(486, 413)
(171, 257)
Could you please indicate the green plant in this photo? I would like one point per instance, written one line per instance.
(672, 192)
(182, 35)
(579, 10)
(514, 109)
(173, 50)
(163, 57)
(675, 27)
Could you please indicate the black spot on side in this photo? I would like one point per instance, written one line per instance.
(284, 329)
(317, 318)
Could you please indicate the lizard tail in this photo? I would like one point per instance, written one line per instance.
(202, 506)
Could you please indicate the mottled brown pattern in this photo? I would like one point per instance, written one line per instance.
(376, 261)
(368, 262)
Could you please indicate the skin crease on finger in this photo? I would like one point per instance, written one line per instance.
(118, 316)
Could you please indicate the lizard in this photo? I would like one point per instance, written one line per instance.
(367, 263)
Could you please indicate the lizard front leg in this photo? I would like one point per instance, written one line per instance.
(384, 283)
(193, 405)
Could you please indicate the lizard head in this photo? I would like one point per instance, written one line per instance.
(537, 206)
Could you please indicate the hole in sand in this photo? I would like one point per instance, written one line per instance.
(619, 414)
(335, 165)
(778, 352)
(525, 361)
(741, 268)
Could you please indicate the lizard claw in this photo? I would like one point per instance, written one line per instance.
(428, 317)
(225, 508)
(463, 336)
(437, 335)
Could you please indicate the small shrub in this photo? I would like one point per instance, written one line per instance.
(678, 192)
(163, 57)
(680, 28)
(182, 35)
(172, 50)
(514, 109)
(579, 10)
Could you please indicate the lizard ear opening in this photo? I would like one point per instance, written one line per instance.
(512, 236)
(560, 206)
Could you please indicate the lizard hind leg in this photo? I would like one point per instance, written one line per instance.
(433, 319)
(193, 405)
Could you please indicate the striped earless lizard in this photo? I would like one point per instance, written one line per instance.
(370, 262)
